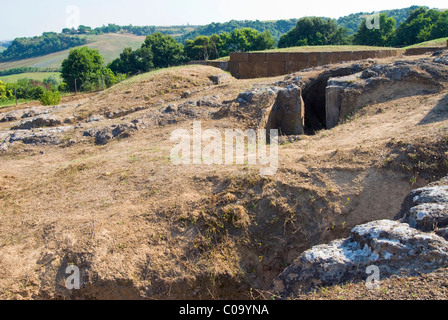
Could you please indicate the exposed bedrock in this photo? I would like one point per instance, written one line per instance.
(416, 243)
(381, 83)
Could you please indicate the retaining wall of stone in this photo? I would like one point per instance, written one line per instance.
(422, 50)
(224, 65)
(270, 64)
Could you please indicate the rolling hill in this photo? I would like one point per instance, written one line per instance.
(110, 46)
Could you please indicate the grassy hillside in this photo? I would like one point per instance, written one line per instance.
(110, 46)
(431, 43)
(352, 21)
(32, 75)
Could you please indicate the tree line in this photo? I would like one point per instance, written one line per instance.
(161, 51)
(49, 42)
(422, 24)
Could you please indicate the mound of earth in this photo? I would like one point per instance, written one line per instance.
(99, 190)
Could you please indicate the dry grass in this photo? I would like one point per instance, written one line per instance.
(140, 227)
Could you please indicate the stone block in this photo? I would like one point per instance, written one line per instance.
(277, 68)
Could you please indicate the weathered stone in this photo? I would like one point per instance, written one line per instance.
(426, 208)
(102, 136)
(122, 113)
(258, 95)
(38, 122)
(220, 78)
(12, 116)
(381, 83)
(95, 118)
(288, 113)
(209, 101)
(171, 108)
(41, 136)
(394, 247)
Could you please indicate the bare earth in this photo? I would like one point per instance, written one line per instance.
(139, 227)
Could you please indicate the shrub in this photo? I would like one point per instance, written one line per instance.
(50, 98)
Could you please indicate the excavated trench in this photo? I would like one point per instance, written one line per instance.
(314, 97)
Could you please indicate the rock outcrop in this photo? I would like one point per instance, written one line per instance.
(40, 136)
(288, 113)
(380, 83)
(38, 122)
(415, 244)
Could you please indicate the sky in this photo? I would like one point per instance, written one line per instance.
(26, 18)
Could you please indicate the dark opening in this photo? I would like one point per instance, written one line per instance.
(314, 97)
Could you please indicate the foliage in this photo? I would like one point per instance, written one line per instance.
(353, 21)
(51, 82)
(376, 37)
(63, 87)
(420, 26)
(276, 28)
(49, 42)
(27, 89)
(18, 70)
(5, 93)
(216, 46)
(133, 62)
(158, 51)
(50, 98)
(165, 50)
(314, 31)
(83, 65)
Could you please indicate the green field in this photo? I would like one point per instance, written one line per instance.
(110, 46)
(32, 75)
(432, 43)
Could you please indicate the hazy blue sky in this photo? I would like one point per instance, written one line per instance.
(20, 18)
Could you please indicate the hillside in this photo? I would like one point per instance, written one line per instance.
(91, 183)
(352, 21)
(110, 46)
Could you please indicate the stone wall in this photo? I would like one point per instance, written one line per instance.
(224, 65)
(271, 64)
(421, 50)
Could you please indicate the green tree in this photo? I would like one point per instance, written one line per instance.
(440, 27)
(199, 49)
(133, 62)
(83, 65)
(314, 31)
(166, 51)
(376, 37)
(417, 27)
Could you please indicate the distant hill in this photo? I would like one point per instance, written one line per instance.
(48, 42)
(352, 21)
(110, 46)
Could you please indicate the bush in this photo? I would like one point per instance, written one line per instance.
(63, 87)
(50, 98)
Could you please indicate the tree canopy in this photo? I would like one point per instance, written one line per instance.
(380, 37)
(420, 26)
(49, 42)
(314, 31)
(83, 65)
